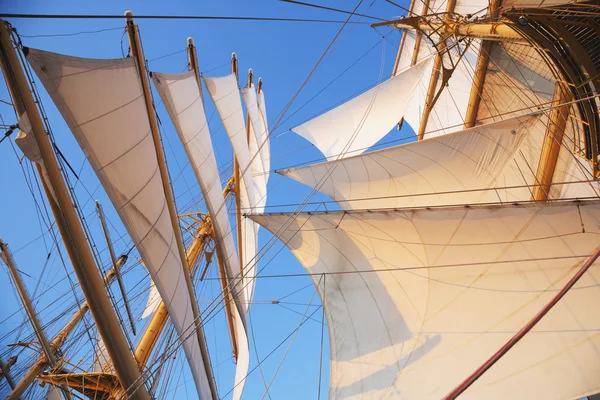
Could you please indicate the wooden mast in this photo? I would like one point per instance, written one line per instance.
(59, 339)
(47, 349)
(227, 297)
(483, 60)
(555, 131)
(435, 73)
(26, 300)
(69, 225)
(136, 51)
(113, 260)
(402, 40)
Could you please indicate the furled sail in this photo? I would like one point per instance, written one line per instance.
(102, 102)
(266, 148)
(358, 124)
(181, 95)
(225, 94)
(416, 300)
(451, 169)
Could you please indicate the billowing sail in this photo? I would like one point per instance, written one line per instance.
(103, 103)
(448, 112)
(181, 95)
(358, 124)
(226, 96)
(416, 300)
(450, 169)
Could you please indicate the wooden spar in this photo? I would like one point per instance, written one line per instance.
(159, 319)
(435, 73)
(555, 131)
(519, 335)
(59, 339)
(483, 60)
(137, 53)
(237, 183)
(26, 300)
(193, 61)
(476, 30)
(69, 225)
(113, 260)
(5, 370)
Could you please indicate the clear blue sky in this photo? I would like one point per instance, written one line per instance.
(282, 53)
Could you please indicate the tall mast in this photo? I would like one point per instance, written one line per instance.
(47, 349)
(483, 60)
(113, 260)
(227, 297)
(136, 51)
(435, 73)
(69, 226)
(59, 339)
(26, 300)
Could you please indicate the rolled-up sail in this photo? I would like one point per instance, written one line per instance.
(358, 124)
(225, 94)
(181, 95)
(103, 103)
(416, 300)
(459, 168)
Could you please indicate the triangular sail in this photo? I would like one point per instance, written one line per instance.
(182, 98)
(452, 169)
(358, 124)
(103, 103)
(411, 295)
(225, 94)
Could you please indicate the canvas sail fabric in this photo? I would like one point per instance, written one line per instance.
(103, 103)
(448, 112)
(358, 124)
(225, 94)
(102, 359)
(181, 95)
(153, 302)
(255, 146)
(416, 300)
(445, 170)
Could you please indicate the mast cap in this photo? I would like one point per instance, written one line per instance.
(190, 41)
(129, 15)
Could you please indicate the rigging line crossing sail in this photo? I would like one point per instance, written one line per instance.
(405, 175)
(391, 331)
(182, 98)
(102, 102)
(356, 125)
(69, 225)
(225, 94)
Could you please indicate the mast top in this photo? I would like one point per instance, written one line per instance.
(190, 41)
(129, 15)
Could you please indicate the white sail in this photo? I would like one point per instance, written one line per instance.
(255, 146)
(450, 169)
(226, 96)
(103, 103)
(181, 95)
(101, 359)
(448, 112)
(53, 393)
(266, 148)
(417, 300)
(153, 302)
(358, 124)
